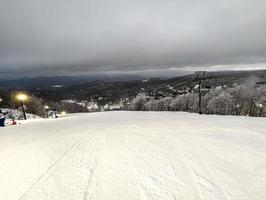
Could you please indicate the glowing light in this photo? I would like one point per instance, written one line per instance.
(22, 97)
(46, 107)
(63, 113)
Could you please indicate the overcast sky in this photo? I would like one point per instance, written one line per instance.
(52, 37)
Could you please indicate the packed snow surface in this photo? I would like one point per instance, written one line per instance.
(134, 156)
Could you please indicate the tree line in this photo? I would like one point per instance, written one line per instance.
(246, 99)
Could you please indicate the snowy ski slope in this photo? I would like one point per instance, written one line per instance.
(134, 156)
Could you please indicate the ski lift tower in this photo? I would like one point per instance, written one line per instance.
(200, 75)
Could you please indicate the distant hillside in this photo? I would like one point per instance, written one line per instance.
(58, 81)
(167, 87)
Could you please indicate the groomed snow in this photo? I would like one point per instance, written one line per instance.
(134, 156)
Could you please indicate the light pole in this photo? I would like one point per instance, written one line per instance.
(46, 107)
(22, 97)
(1, 100)
(237, 109)
(199, 76)
(260, 108)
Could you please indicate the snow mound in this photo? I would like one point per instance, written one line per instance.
(134, 155)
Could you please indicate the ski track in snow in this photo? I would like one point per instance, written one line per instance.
(133, 156)
(49, 172)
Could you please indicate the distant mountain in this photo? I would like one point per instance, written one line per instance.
(58, 81)
(112, 91)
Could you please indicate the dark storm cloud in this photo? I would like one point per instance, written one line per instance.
(138, 36)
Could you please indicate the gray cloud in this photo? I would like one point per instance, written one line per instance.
(137, 36)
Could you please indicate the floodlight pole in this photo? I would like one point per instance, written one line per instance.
(261, 109)
(47, 110)
(23, 110)
(1, 100)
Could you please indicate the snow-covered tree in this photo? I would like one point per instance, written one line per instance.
(138, 103)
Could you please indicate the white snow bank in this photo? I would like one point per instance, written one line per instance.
(134, 155)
